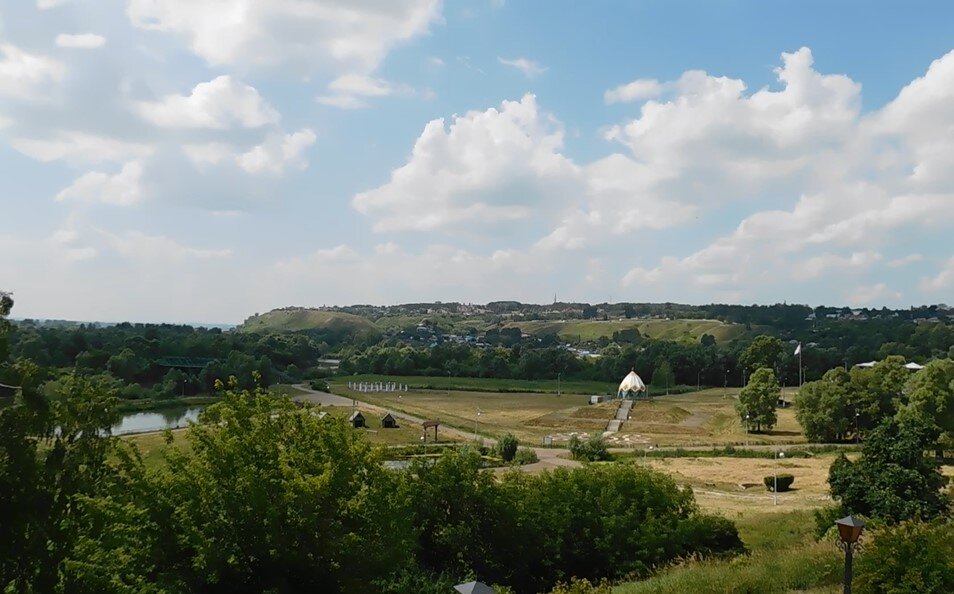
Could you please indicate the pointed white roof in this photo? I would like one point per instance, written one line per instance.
(913, 366)
(632, 383)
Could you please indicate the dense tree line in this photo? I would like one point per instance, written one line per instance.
(269, 497)
(683, 363)
(845, 404)
(141, 358)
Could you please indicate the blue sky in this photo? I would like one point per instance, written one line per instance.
(200, 161)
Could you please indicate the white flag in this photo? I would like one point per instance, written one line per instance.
(798, 349)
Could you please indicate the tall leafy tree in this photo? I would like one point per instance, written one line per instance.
(930, 392)
(758, 399)
(765, 351)
(892, 480)
(823, 407)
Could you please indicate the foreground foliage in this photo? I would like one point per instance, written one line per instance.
(910, 557)
(268, 497)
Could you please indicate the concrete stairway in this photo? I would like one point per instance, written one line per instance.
(622, 414)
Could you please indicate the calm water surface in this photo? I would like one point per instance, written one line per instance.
(170, 418)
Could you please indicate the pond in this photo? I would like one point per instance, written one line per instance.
(168, 418)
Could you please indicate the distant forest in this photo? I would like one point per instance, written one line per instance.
(165, 361)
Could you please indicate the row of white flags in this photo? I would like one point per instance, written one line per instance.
(377, 387)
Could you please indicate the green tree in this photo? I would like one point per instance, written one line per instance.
(54, 452)
(892, 480)
(758, 399)
(507, 446)
(930, 392)
(765, 351)
(823, 407)
(269, 498)
(876, 391)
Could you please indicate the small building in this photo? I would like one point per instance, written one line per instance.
(596, 399)
(357, 419)
(388, 421)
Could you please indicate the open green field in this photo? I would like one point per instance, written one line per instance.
(591, 330)
(700, 418)
(479, 384)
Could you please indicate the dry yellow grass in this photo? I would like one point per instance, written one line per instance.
(734, 487)
(695, 419)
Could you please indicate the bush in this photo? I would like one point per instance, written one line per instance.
(525, 456)
(319, 385)
(577, 586)
(591, 450)
(507, 447)
(910, 557)
(784, 482)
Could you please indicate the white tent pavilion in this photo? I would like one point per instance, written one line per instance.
(867, 364)
(913, 366)
(631, 384)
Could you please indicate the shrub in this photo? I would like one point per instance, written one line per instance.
(507, 447)
(591, 450)
(910, 557)
(525, 456)
(577, 586)
(319, 385)
(784, 482)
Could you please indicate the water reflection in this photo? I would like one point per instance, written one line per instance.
(169, 418)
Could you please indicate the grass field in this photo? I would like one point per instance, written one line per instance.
(733, 487)
(591, 330)
(784, 558)
(694, 419)
(481, 384)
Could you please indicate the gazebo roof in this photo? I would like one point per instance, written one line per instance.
(474, 588)
(632, 383)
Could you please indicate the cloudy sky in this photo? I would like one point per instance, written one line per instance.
(201, 160)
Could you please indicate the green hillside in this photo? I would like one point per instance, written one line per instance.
(587, 330)
(299, 319)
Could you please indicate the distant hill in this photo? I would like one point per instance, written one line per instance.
(589, 330)
(298, 319)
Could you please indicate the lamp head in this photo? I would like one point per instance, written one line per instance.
(849, 529)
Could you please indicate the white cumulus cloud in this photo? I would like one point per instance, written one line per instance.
(220, 103)
(278, 152)
(486, 166)
(120, 189)
(304, 34)
(23, 75)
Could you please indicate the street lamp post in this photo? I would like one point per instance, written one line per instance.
(775, 486)
(849, 531)
(559, 378)
(476, 417)
(645, 454)
(746, 430)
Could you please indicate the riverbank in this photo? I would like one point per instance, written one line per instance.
(151, 405)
